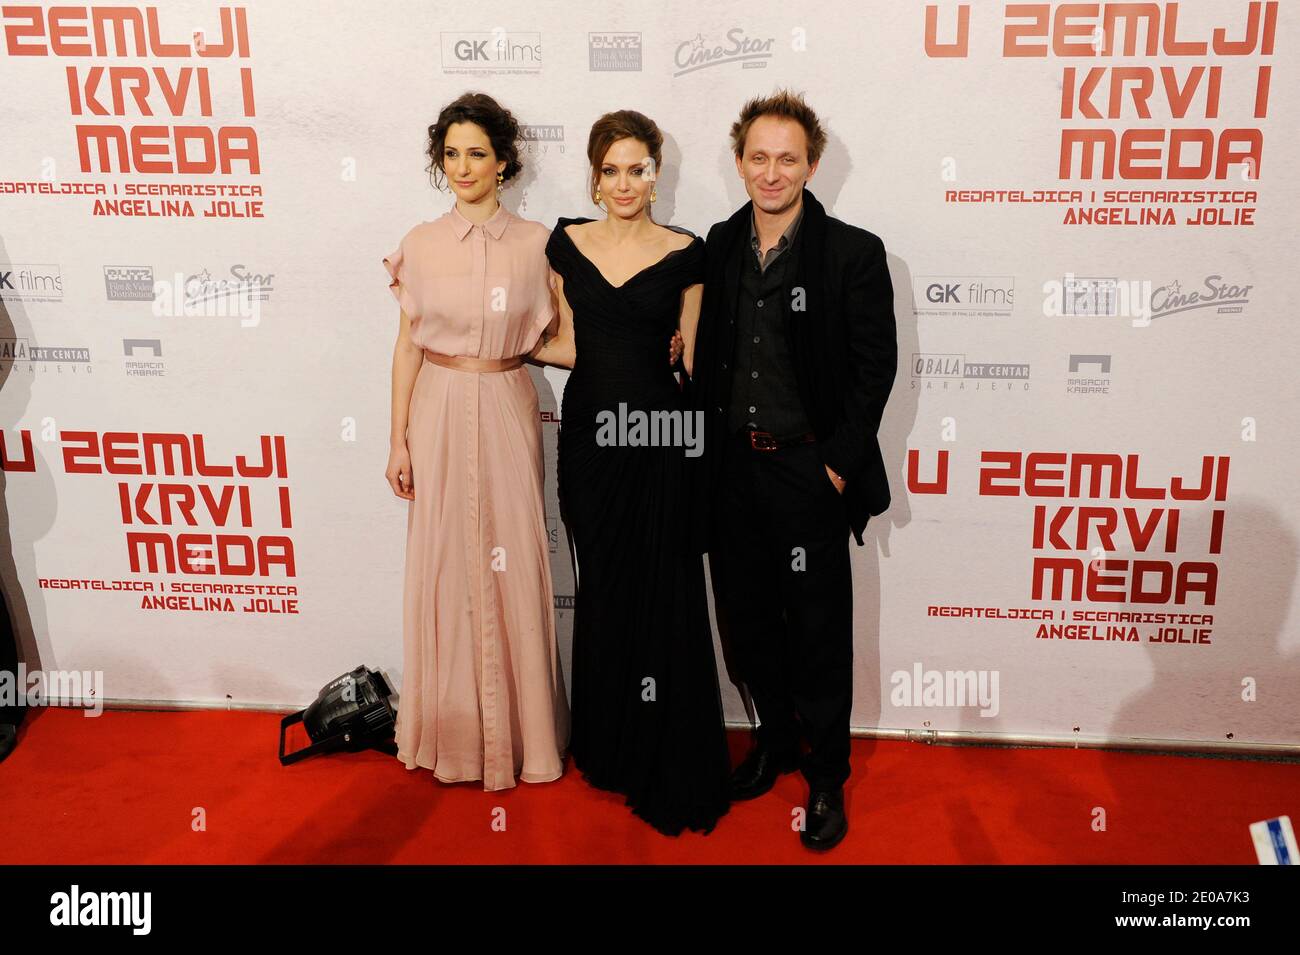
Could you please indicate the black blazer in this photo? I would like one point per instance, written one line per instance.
(843, 344)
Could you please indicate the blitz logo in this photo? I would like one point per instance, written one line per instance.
(613, 51)
(129, 283)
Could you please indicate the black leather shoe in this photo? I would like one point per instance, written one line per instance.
(757, 773)
(825, 824)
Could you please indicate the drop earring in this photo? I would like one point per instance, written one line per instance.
(654, 195)
(500, 180)
(596, 197)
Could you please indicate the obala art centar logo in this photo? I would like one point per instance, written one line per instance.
(541, 138)
(952, 372)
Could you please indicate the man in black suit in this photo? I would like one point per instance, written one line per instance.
(793, 361)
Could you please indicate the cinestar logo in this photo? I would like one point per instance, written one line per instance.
(496, 52)
(1223, 297)
(243, 284)
(952, 372)
(973, 295)
(698, 53)
(22, 282)
(613, 52)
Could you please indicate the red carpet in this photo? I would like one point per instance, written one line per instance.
(124, 787)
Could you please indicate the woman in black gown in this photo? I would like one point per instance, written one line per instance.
(647, 715)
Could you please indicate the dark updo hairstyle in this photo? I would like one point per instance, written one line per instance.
(487, 114)
(623, 124)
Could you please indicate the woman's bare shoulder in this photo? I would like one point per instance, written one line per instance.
(677, 238)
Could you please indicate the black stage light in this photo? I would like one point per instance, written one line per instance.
(351, 713)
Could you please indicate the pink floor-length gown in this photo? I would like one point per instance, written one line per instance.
(482, 692)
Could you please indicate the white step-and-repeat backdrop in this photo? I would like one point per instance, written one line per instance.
(1090, 214)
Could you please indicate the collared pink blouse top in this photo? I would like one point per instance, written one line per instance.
(482, 291)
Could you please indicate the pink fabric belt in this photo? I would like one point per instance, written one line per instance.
(464, 363)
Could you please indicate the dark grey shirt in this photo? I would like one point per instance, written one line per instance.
(782, 243)
(764, 392)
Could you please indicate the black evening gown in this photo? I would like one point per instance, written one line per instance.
(647, 715)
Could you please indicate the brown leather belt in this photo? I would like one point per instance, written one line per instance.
(464, 363)
(763, 441)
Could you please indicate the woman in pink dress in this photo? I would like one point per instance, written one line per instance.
(482, 689)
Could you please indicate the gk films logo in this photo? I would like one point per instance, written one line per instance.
(991, 296)
(499, 51)
(31, 283)
(953, 373)
(129, 283)
(614, 52)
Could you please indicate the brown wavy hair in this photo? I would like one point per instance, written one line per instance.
(486, 113)
(623, 124)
